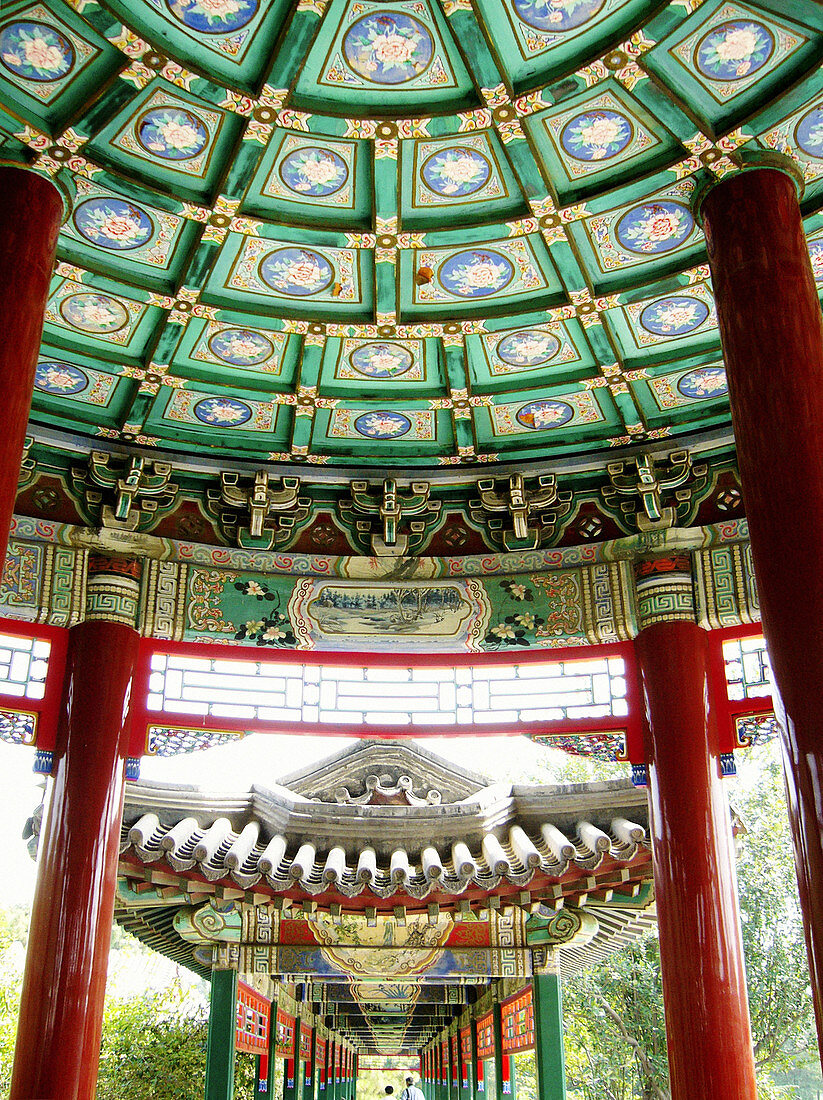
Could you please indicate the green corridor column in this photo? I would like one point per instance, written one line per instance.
(291, 1070)
(220, 1048)
(478, 1081)
(499, 1056)
(549, 1056)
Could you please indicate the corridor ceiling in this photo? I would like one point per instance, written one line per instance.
(395, 235)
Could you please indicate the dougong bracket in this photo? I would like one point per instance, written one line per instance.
(666, 489)
(387, 525)
(521, 515)
(262, 513)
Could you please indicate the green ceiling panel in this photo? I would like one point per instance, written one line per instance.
(230, 40)
(51, 62)
(722, 60)
(307, 178)
(467, 178)
(396, 236)
(165, 136)
(398, 56)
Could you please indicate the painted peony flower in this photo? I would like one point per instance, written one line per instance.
(305, 272)
(179, 135)
(393, 49)
(320, 170)
(55, 377)
(221, 412)
(484, 273)
(219, 8)
(737, 44)
(41, 55)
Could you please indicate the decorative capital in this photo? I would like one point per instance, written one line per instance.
(747, 160)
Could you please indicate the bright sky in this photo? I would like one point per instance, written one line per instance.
(261, 758)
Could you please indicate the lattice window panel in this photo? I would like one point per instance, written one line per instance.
(283, 692)
(748, 671)
(18, 727)
(24, 664)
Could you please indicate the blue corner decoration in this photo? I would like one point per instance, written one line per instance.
(43, 761)
(640, 775)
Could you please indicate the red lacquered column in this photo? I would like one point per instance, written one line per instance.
(30, 212)
(58, 1037)
(772, 333)
(704, 980)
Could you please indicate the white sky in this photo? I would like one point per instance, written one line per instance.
(260, 758)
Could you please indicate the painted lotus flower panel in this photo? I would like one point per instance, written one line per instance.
(456, 172)
(36, 51)
(734, 49)
(528, 348)
(677, 315)
(314, 171)
(809, 133)
(654, 227)
(113, 223)
(296, 271)
(99, 314)
(704, 382)
(241, 347)
(213, 16)
(476, 273)
(557, 15)
(596, 135)
(171, 133)
(388, 48)
(58, 378)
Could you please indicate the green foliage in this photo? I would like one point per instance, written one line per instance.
(152, 1046)
(615, 1036)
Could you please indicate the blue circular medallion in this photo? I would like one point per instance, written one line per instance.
(213, 16)
(734, 49)
(171, 133)
(222, 412)
(529, 347)
(816, 256)
(382, 425)
(35, 51)
(52, 376)
(314, 171)
(557, 15)
(384, 360)
(456, 172)
(703, 382)
(538, 415)
(388, 48)
(476, 273)
(654, 227)
(809, 133)
(300, 271)
(241, 347)
(674, 316)
(94, 313)
(113, 223)
(596, 135)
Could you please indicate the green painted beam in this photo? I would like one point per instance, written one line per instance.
(550, 1059)
(220, 1048)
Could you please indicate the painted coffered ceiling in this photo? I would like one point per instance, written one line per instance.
(395, 235)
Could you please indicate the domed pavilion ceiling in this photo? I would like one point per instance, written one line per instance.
(395, 236)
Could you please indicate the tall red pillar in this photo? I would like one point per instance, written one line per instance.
(772, 333)
(701, 952)
(30, 212)
(61, 1013)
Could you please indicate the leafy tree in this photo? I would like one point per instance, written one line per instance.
(615, 1032)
